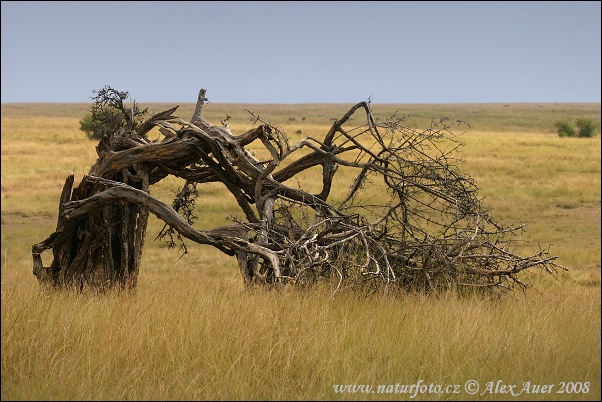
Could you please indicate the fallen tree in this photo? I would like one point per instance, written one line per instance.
(410, 218)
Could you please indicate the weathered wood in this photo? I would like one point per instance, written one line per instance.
(433, 230)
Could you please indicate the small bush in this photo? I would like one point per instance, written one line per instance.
(91, 127)
(586, 128)
(97, 125)
(565, 129)
(109, 113)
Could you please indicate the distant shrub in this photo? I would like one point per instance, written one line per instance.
(586, 128)
(565, 129)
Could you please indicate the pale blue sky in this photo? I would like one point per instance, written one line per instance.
(303, 52)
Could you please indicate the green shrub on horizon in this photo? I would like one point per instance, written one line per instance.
(565, 129)
(586, 128)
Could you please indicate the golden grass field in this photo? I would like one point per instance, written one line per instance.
(191, 331)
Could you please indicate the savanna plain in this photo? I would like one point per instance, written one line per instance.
(192, 331)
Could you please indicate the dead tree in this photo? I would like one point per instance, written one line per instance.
(409, 220)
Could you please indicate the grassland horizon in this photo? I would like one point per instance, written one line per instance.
(191, 330)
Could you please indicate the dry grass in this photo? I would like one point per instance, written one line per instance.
(190, 331)
(188, 335)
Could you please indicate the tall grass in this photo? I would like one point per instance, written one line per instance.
(187, 336)
(191, 331)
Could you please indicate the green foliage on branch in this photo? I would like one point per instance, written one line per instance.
(110, 112)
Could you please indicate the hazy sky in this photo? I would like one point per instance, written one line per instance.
(303, 52)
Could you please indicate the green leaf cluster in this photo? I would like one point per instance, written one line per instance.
(109, 112)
